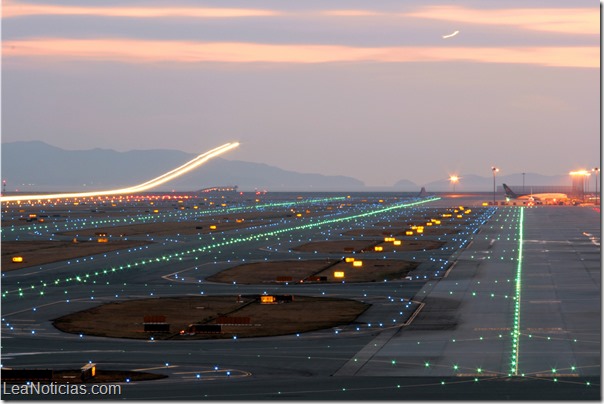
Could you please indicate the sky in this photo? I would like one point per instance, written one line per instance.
(376, 90)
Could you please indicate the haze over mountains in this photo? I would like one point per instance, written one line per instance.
(35, 166)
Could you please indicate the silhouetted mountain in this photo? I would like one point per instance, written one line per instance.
(37, 166)
(406, 186)
(29, 166)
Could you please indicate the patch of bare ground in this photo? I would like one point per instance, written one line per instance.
(44, 252)
(313, 271)
(201, 225)
(104, 376)
(125, 319)
(399, 231)
(357, 246)
(271, 271)
(74, 376)
(336, 246)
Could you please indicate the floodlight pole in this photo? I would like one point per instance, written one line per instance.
(596, 171)
(453, 179)
(494, 169)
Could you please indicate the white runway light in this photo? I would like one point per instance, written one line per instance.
(170, 175)
(450, 35)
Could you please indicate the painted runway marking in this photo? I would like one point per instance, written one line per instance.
(155, 368)
(544, 301)
(594, 240)
(64, 352)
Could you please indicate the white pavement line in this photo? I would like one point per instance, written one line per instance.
(64, 352)
(30, 308)
(155, 368)
(415, 313)
(79, 300)
(449, 270)
(355, 364)
(594, 240)
(168, 277)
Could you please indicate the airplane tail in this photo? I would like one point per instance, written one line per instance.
(422, 193)
(509, 193)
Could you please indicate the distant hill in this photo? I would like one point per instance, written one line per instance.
(406, 186)
(37, 166)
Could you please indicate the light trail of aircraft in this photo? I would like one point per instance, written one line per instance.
(450, 35)
(170, 175)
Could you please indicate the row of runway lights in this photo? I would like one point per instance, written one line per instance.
(265, 236)
(515, 332)
(274, 224)
(444, 264)
(455, 368)
(473, 226)
(442, 267)
(145, 220)
(213, 239)
(481, 339)
(408, 304)
(299, 240)
(217, 372)
(235, 230)
(514, 363)
(517, 216)
(516, 323)
(328, 236)
(183, 278)
(78, 224)
(87, 223)
(381, 325)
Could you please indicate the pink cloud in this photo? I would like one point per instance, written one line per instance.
(562, 20)
(15, 9)
(148, 51)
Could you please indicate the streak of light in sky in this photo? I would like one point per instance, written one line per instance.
(450, 35)
(170, 175)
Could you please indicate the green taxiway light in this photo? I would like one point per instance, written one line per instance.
(272, 233)
(518, 287)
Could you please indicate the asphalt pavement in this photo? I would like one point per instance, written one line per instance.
(509, 309)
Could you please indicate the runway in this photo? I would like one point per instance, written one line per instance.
(508, 308)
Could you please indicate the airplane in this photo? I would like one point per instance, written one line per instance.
(553, 197)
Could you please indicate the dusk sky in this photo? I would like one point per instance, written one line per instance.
(369, 89)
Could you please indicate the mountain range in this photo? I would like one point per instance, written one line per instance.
(34, 166)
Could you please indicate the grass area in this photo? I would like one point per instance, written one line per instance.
(104, 376)
(125, 319)
(373, 270)
(184, 227)
(44, 252)
(388, 231)
(73, 376)
(358, 246)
